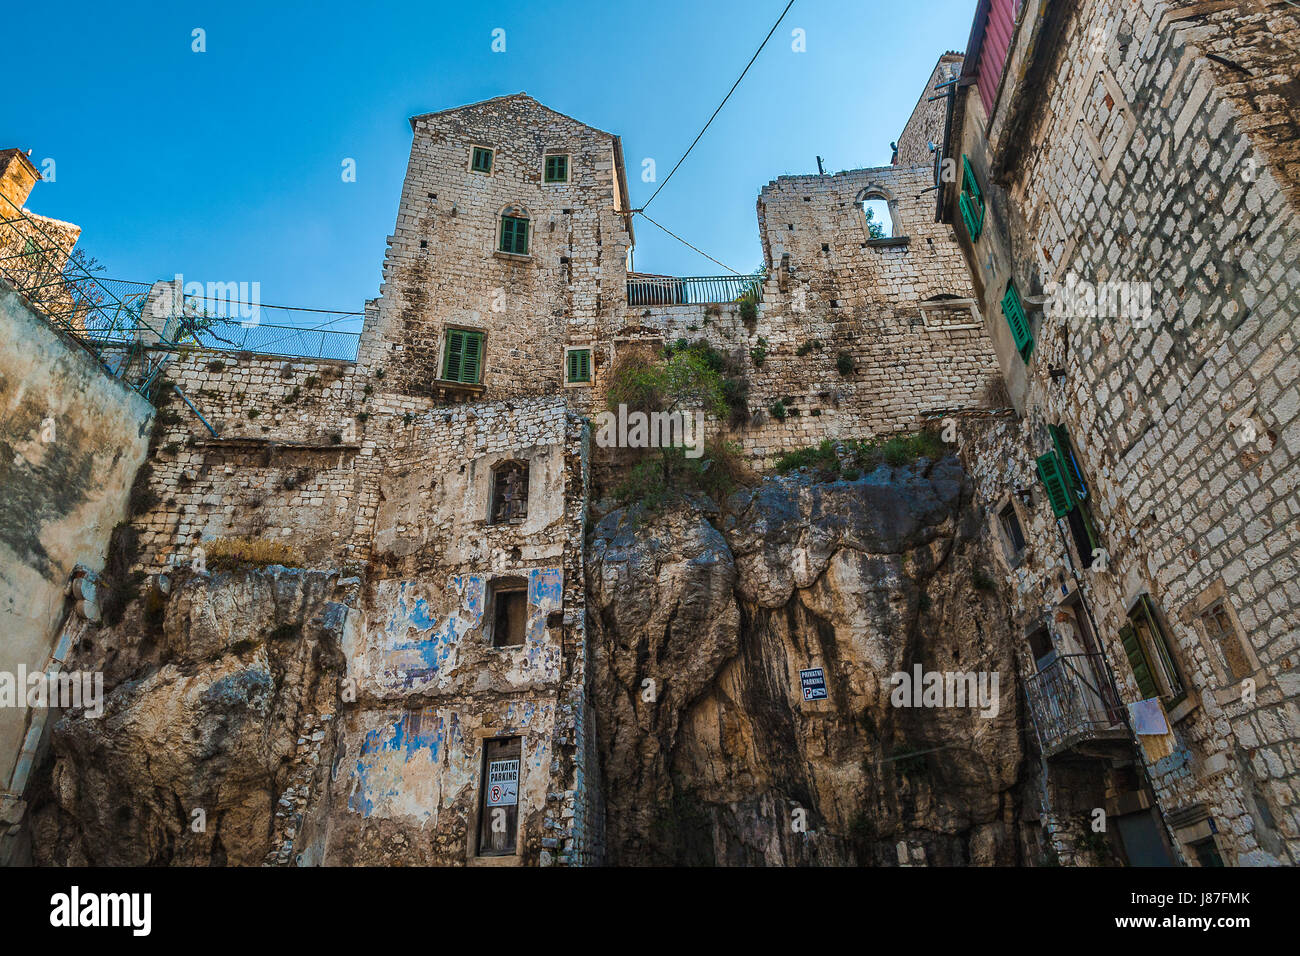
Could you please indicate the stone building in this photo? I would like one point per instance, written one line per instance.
(1123, 181)
(1086, 275)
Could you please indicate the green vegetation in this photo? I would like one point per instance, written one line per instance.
(856, 456)
(844, 363)
(686, 377)
(759, 352)
(777, 410)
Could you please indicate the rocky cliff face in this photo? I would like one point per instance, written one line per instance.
(223, 706)
(219, 724)
(701, 623)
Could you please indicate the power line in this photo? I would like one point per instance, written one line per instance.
(685, 243)
(721, 105)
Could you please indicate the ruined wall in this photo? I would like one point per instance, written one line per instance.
(71, 439)
(926, 124)
(892, 305)
(443, 268)
(283, 468)
(1134, 163)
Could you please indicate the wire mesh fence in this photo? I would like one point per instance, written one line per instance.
(134, 328)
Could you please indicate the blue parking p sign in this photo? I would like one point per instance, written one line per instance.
(813, 682)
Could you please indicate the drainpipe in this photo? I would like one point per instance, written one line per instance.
(947, 142)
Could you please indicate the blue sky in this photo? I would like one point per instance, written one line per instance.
(225, 165)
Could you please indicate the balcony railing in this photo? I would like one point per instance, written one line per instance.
(1073, 701)
(643, 289)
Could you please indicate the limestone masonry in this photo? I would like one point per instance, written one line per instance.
(402, 610)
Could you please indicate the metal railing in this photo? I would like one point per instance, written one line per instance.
(134, 328)
(37, 261)
(1072, 699)
(643, 289)
(265, 329)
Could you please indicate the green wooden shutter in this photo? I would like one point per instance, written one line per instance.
(971, 201)
(579, 365)
(1021, 332)
(557, 169)
(970, 184)
(971, 218)
(482, 160)
(514, 235)
(1176, 689)
(1065, 452)
(1058, 492)
(1137, 661)
(451, 365)
(469, 369)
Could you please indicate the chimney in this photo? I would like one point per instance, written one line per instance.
(17, 177)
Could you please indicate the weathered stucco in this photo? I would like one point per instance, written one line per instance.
(71, 439)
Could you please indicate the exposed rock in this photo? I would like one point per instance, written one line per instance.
(225, 710)
(864, 579)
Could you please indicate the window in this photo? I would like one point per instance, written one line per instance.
(507, 609)
(499, 797)
(1041, 646)
(1225, 642)
(481, 161)
(557, 169)
(463, 356)
(1067, 491)
(514, 235)
(880, 224)
(1011, 528)
(971, 201)
(509, 492)
(1021, 331)
(577, 364)
(1149, 656)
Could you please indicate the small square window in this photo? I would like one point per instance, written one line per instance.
(507, 607)
(1226, 642)
(1011, 527)
(577, 366)
(557, 169)
(482, 160)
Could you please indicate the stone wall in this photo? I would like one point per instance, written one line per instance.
(926, 124)
(1138, 160)
(443, 268)
(282, 466)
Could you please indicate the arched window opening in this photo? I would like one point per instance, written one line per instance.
(880, 221)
